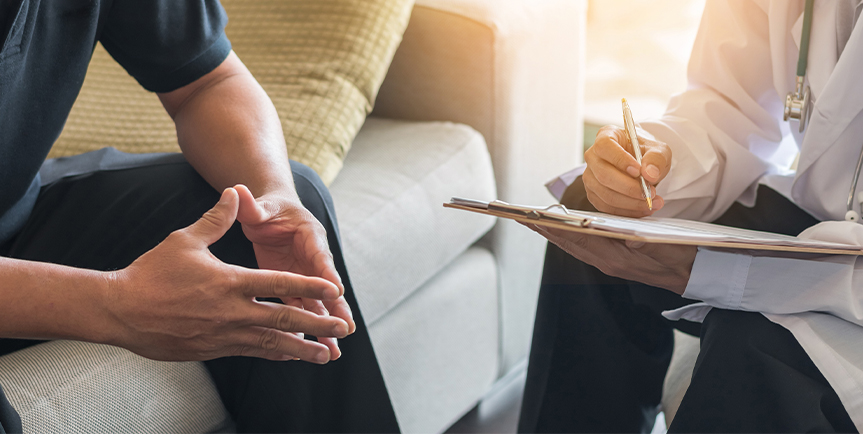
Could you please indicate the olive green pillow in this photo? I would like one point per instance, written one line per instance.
(321, 62)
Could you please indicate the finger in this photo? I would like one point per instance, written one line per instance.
(295, 302)
(215, 223)
(574, 243)
(612, 145)
(284, 285)
(632, 244)
(656, 161)
(316, 307)
(251, 212)
(608, 176)
(326, 268)
(610, 209)
(616, 199)
(532, 226)
(339, 308)
(293, 320)
(273, 344)
(318, 249)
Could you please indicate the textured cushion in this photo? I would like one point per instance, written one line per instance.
(438, 350)
(395, 232)
(65, 386)
(321, 62)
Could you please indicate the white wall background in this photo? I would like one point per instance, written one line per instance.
(638, 50)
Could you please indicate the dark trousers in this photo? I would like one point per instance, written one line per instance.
(104, 220)
(601, 349)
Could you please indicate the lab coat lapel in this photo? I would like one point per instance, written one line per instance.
(838, 102)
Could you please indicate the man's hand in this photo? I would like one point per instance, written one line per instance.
(230, 132)
(179, 302)
(287, 237)
(665, 266)
(611, 179)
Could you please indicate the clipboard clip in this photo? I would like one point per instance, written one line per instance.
(542, 213)
(535, 214)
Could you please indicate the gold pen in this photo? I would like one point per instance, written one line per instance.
(636, 149)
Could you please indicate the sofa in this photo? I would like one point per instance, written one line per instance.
(483, 100)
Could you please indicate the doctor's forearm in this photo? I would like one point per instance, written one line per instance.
(230, 132)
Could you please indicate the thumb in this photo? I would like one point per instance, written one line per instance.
(215, 223)
(251, 212)
(656, 161)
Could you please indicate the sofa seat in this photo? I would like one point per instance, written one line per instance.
(429, 298)
(388, 198)
(68, 387)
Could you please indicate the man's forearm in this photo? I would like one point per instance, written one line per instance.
(48, 301)
(230, 131)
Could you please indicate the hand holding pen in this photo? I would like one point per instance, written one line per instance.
(613, 178)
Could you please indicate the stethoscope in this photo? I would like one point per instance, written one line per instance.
(797, 106)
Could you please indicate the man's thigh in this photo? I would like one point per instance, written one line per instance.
(105, 220)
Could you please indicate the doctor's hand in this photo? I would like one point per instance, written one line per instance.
(611, 178)
(665, 266)
(179, 302)
(287, 237)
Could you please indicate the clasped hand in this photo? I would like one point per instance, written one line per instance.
(179, 302)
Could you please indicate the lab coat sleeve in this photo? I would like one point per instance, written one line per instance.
(783, 283)
(725, 126)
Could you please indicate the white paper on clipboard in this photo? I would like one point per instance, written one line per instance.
(652, 229)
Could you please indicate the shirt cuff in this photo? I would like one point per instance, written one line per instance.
(718, 278)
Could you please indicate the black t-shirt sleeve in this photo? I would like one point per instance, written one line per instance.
(166, 44)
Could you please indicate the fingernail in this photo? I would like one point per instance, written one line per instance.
(632, 171)
(332, 293)
(340, 330)
(652, 171)
(224, 195)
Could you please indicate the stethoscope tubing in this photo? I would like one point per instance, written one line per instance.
(802, 61)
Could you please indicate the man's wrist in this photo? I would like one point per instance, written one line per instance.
(48, 301)
(87, 311)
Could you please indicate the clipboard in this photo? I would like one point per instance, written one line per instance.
(651, 229)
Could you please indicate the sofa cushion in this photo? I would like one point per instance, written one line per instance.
(438, 350)
(321, 62)
(67, 386)
(388, 199)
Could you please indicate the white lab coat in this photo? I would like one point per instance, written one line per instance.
(724, 129)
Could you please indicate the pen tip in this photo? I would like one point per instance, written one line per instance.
(649, 204)
(623, 100)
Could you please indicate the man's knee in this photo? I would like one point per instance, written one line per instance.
(313, 193)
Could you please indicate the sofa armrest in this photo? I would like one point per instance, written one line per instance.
(513, 70)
